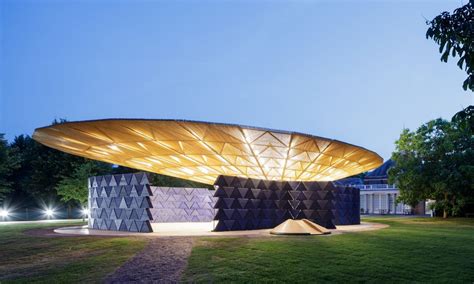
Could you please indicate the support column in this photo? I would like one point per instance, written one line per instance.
(373, 202)
(380, 202)
(388, 204)
(362, 202)
(395, 203)
(367, 203)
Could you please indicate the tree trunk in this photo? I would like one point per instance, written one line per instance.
(453, 201)
(69, 211)
(445, 212)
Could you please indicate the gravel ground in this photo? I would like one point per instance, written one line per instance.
(162, 261)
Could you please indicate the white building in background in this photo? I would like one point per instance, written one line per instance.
(379, 197)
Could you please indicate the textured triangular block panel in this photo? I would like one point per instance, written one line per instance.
(269, 203)
(187, 204)
(114, 202)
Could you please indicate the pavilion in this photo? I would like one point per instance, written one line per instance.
(262, 176)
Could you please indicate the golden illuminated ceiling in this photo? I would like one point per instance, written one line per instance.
(202, 151)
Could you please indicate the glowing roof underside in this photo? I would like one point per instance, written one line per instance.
(202, 151)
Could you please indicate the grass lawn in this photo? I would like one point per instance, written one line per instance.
(26, 258)
(410, 250)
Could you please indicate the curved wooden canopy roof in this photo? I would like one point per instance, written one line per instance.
(201, 151)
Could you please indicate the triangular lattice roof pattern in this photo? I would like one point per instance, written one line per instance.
(201, 151)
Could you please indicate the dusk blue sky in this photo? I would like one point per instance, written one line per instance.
(349, 70)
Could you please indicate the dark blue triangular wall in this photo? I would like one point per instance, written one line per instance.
(246, 204)
(120, 203)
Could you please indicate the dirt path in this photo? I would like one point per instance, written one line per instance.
(162, 261)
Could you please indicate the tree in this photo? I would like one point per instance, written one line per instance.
(462, 158)
(437, 162)
(455, 35)
(41, 169)
(465, 118)
(8, 163)
(73, 187)
(406, 172)
(436, 147)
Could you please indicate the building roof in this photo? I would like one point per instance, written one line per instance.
(380, 172)
(201, 151)
(350, 181)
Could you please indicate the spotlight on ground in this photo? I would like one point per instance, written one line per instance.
(4, 213)
(49, 212)
(85, 212)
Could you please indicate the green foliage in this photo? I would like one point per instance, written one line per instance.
(8, 163)
(41, 169)
(455, 35)
(48, 174)
(407, 172)
(73, 187)
(465, 119)
(437, 162)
